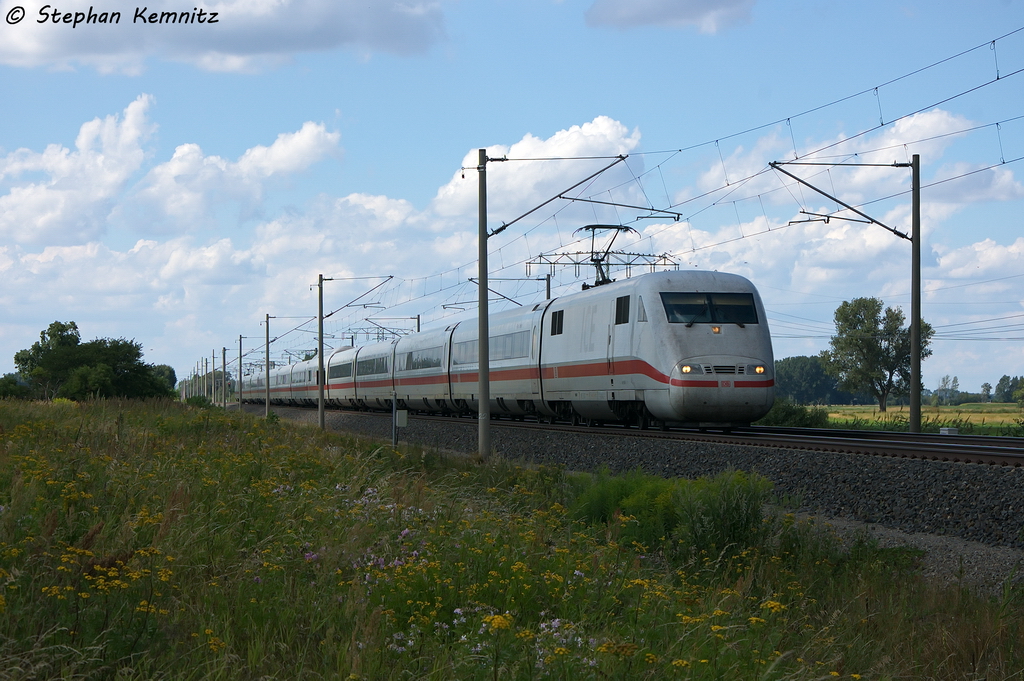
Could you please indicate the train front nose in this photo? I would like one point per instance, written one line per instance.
(721, 389)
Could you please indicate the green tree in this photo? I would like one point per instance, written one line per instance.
(870, 351)
(87, 381)
(1005, 388)
(45, 364)
(942, 394)
(12, 386)
(166, 372)
(986, 392)
(803, 380)
(60, 365)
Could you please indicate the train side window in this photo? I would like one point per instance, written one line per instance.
(427, 358)
(556, 322)
(622, 310)
(641, 313)
(340, 370)
(369, 367)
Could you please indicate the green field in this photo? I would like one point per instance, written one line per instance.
(989, 418)
(157, 541)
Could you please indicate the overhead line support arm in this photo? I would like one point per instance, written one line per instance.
(561, 195)
(777, 166)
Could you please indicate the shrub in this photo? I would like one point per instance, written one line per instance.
(786, 413)
(706, 514)
(722, 511)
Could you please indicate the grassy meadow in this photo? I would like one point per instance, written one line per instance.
(978, 418)
(158, 541)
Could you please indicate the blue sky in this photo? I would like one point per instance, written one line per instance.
(174, 184)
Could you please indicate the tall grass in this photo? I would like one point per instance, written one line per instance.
(683, 517)
(154, 540)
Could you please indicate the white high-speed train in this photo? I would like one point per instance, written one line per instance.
(678, 348)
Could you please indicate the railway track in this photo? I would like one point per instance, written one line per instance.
(974, 449)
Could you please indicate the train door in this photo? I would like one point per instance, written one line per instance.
(620, 340)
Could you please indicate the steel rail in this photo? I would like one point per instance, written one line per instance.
(988, 450)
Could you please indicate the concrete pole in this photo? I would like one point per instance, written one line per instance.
(266, 397)
(483, 331)
(239, 373)
(915, 298)
(320, 354)
(224, 371)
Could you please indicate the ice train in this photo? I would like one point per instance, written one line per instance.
(685, 348)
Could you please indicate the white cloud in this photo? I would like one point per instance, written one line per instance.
(709, 16)
(977, 184)
(61, 196)
(183, 188)
(246, 35)
(983, 259)
(80, 187)
(520, 185)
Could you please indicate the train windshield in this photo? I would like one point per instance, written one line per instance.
(709, 308)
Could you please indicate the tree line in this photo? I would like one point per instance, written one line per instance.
(59, 364)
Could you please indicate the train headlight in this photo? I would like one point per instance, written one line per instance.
(759, 369)
(687, 368)
(716, 329)
(691, 369)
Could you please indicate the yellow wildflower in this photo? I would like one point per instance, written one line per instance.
(496, 622)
